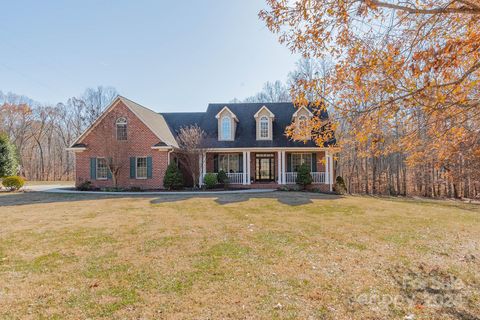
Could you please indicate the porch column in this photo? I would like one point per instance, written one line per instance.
(202, 163)
(248, 167)
(328, 170)
(330, 174)
(200, 171)
(244, 165)
(284, 166)
(279, 157)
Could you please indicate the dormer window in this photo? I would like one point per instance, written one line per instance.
(121, 129)
(264, 119)
(301, 117)
(264, 127)
(226, 128)
(302, 122)
(227, 123)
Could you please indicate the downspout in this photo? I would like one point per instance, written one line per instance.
(168, 156)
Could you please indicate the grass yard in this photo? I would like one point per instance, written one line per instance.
(252, 256)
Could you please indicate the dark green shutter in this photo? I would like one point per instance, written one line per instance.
(132, 168)
(149, 167)
(314, 162)
(109, 173)
(289, 162)
(240, 162)
(93, 168)
(215, 163)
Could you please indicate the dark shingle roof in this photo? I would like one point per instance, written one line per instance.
(245, 133)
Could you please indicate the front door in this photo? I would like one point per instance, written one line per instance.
(265, 167)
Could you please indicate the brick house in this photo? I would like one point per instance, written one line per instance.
(246, 140)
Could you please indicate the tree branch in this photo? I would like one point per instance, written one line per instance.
(466, 10)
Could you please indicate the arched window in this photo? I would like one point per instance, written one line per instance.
(121, 125)
(226, 128)
(264, 132)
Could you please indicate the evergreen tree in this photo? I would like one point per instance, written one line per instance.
(304, 177)
(8, 157)
(173, 177)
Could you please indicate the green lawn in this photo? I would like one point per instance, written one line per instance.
(254, 256)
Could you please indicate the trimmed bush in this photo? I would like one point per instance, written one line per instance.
(222, 178)
(210, 180)
(173, 179)
(13, 182)
(85, 186)
(304, 178)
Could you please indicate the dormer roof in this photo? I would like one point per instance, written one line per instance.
(300, 109)
(270, 113)
(229, 111)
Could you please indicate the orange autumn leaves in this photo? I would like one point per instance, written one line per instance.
(406, 75)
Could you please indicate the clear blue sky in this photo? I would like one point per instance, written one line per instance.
(167, 55)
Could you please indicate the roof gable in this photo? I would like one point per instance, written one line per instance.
(302, 108)
(264, 108)
(154, 121)
(227, 110)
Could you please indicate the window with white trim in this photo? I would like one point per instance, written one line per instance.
(302, 122)
(102, 169)
(121, 127)
(141, 166)
(264, 130)
(226, 128)
(300, 158)
(229, 162)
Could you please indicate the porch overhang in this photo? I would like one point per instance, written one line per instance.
(268, 149)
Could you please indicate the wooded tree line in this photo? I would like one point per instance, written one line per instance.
(404, 88)
(41, 133)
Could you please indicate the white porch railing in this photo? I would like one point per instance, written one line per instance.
(318, 177)
(233, 178)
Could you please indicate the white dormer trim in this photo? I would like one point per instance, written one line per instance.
(264, 114)
(234, 117)
(302, 108)
(270, 113)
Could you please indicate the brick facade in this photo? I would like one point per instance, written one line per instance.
(101, 142)
(139, 143)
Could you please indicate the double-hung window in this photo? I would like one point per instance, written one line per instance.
(229, 162)
(300, 158)
(264, 132)
(141, 168)
(121, 127)
(102, 169)
(226, 128)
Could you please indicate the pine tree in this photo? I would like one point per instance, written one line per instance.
(173, 178)
(304, 177)
(8, 157)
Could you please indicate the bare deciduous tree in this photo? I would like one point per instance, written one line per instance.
(192, 144)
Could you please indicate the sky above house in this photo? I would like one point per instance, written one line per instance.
(166, 55)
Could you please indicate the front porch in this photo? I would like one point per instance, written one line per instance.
(268, 168)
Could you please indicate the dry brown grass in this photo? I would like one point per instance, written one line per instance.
(278, 255)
